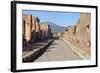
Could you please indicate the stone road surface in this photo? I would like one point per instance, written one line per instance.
(58, 51)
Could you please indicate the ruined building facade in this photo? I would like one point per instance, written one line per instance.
(79, 36)
(45, 31)
(33, 31)
(83, 27)
(27, 27)
(81, 30)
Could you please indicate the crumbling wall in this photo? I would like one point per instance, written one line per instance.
(45, 31)
(83, 28)
(79, 36)
(27, 27)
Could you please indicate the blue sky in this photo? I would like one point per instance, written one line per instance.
(59, 18)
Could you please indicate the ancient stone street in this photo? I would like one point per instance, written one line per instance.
(41, 44)
(58, 51)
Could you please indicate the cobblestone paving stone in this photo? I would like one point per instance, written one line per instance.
(58, 51)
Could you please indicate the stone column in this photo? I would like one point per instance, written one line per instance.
(33, 29)
(37, 29)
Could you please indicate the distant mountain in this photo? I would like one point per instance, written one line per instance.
(54, 27)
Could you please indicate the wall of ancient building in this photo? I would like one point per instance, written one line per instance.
(31, 28)
(27, 27)
(80, 34)
(45, 31)
(37, 29)
(83, 27)
(33, 31)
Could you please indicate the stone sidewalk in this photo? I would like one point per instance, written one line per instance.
(83, 55)
(32, 52)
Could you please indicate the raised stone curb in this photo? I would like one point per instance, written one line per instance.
(33, 55)
(78, 51)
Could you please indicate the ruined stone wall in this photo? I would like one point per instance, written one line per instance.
(27, 23)
(83, 27)
(31, 28)
(45, 31)
(33, 31)
(37, 29)
(33, 23)
(71, 30)
(79, 36)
